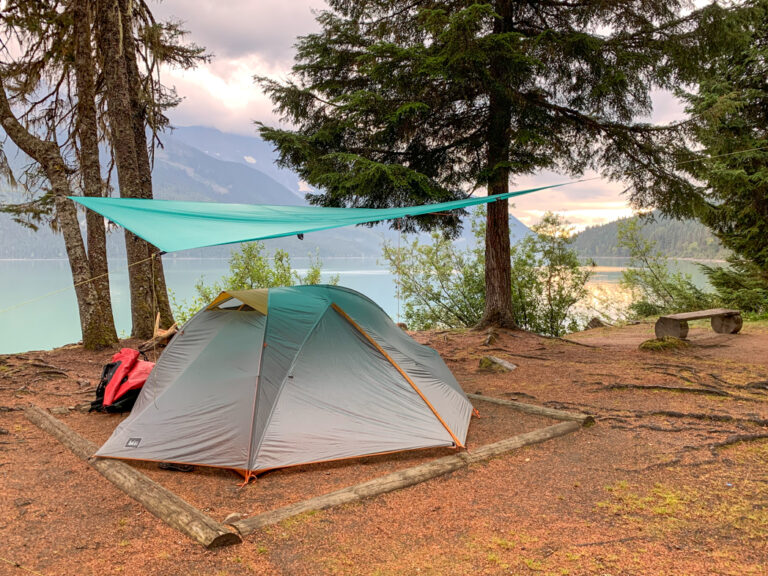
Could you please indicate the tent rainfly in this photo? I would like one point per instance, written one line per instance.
(264, 379)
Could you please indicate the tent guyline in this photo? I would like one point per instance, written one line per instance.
(75, 285)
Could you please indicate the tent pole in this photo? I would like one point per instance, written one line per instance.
(399, 369)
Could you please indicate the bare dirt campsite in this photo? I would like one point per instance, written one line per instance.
(671, 479)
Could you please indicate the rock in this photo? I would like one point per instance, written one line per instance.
(83, 383)
(84, 407)
(491, 337)
(595, 323)
(232, 518)
(59, 410)
(3, 432)
(494, 364)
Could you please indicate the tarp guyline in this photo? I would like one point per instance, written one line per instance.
(174, 225)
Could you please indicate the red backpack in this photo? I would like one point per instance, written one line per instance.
(121, 381)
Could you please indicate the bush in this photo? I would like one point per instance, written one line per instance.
(444, 287)
(249, 268)
(655, 289)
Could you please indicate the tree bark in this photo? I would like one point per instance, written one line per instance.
(48, 155)
(109, 40)
(498, 268)
(87, 134)
(139, 108)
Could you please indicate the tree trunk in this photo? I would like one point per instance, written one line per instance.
(48, 155)
(109, 39)
(139, 109)
(87, 134)
(498, 269)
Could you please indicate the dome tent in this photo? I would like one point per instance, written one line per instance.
(264, 379)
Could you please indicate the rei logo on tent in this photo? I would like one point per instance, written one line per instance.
(133, 443)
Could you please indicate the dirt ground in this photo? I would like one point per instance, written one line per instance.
(673, 478)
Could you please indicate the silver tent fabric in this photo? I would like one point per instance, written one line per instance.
(197, 404)
(303, 383)
(358, 403)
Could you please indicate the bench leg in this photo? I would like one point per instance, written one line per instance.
(727, 324)
(671, 327)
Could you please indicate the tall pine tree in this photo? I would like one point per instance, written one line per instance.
(399, 103)
(729, 121)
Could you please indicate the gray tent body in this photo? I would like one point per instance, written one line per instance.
(267, 379)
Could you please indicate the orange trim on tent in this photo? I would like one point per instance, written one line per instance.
(258, 472)
(248, 475)
(241, 471)
(402, 372)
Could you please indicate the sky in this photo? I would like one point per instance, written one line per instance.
(248, 37)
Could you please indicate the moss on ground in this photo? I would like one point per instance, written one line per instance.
(665, 343)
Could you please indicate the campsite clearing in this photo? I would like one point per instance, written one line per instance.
(673, 478)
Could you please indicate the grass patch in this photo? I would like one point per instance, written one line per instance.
(666, 343)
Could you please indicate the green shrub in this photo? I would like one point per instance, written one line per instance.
(655, 289)
(444, 287)
(249, 267)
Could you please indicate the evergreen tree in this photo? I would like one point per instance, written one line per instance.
(406, 103)
(729, 113)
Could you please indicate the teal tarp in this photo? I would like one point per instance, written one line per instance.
(173, 226)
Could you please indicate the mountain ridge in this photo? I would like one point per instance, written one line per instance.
(684, 239)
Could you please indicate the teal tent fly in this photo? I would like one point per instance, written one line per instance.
(173, 225)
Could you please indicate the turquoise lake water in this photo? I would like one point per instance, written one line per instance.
(52, 321)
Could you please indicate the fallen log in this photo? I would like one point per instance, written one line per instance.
(161, 502)
(403, 478)
(583, 419)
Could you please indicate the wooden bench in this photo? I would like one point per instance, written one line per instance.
(723, 322)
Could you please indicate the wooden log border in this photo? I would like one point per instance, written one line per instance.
(160, 501)
(189, 520)
(584, 419)
(572, 421)
(404, 478)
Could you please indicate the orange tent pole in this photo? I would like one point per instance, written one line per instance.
(402, 372)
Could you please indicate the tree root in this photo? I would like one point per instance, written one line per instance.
(558, 338)
(737, 439)
(759, 385)
(706, 391)
(703, 416)
(528, 356)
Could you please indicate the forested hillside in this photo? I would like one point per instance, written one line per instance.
(675, 238)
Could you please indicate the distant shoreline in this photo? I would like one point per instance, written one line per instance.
(678, 258)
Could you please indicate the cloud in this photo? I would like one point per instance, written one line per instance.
(238, 28)
(246, 39)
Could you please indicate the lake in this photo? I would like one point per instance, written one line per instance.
(51, 321)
